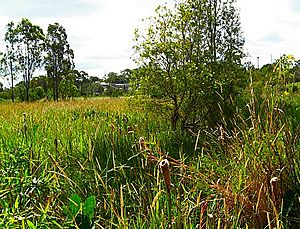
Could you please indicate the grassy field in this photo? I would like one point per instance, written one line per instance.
(99, 163)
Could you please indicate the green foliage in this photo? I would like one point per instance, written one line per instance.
(5, 94)
(81, 213)
(192, 55)
(31, 225)
(30, 41)
(237, 165)
(20, 91)
(25, 49)
(89, 207)
(117, 83)
(88, 85)
(59, 59)
(36, 93)
(92, 147)
(67, 87)
(114, 78)
(9, 63)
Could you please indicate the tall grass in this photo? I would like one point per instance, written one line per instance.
(245, 177)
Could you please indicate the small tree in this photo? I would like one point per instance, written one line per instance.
(20, 90)
(59, 59)
(165, 60)
(36, 93)
(83, 83)
(67, 87)
(192, 56)
(285, 71)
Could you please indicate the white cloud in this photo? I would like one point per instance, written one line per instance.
(101, 31)
(271, 28)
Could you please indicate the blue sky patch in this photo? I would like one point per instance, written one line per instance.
(45, 9)
(295, 6)
(273, 37)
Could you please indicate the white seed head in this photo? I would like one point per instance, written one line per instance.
(164, 163)
(274, 179)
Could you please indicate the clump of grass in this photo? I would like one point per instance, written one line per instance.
(259, 154)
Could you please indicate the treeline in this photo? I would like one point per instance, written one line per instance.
(28, 49)
(75, 84)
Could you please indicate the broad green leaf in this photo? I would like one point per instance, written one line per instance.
(89, 207)
(74, 204)
(66, 210)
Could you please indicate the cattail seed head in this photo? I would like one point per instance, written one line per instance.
(165, 168)
(274, 186)
(274, 179)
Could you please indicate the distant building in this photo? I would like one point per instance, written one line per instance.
(123, 86)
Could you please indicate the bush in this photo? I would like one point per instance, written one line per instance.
(36, 93)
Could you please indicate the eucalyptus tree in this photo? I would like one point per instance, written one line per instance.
(188, 54)
(29, 56)
(1, 70)
(9, 61)
(1, 63)
(59, 59)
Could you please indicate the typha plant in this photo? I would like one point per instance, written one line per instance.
(165, 169)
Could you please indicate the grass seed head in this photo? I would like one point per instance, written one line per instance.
(142, 144)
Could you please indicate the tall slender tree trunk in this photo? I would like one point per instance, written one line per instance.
(12, 82)
(12, 91)
(27, 84)
(27, 93)
(55, 89)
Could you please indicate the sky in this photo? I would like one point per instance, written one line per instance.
(271, 28)
(101, 32)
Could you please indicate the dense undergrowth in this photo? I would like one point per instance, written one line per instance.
(95, 163)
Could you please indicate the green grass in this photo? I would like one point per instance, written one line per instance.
(51, 151)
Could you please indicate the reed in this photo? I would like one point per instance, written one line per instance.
(165, 169)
